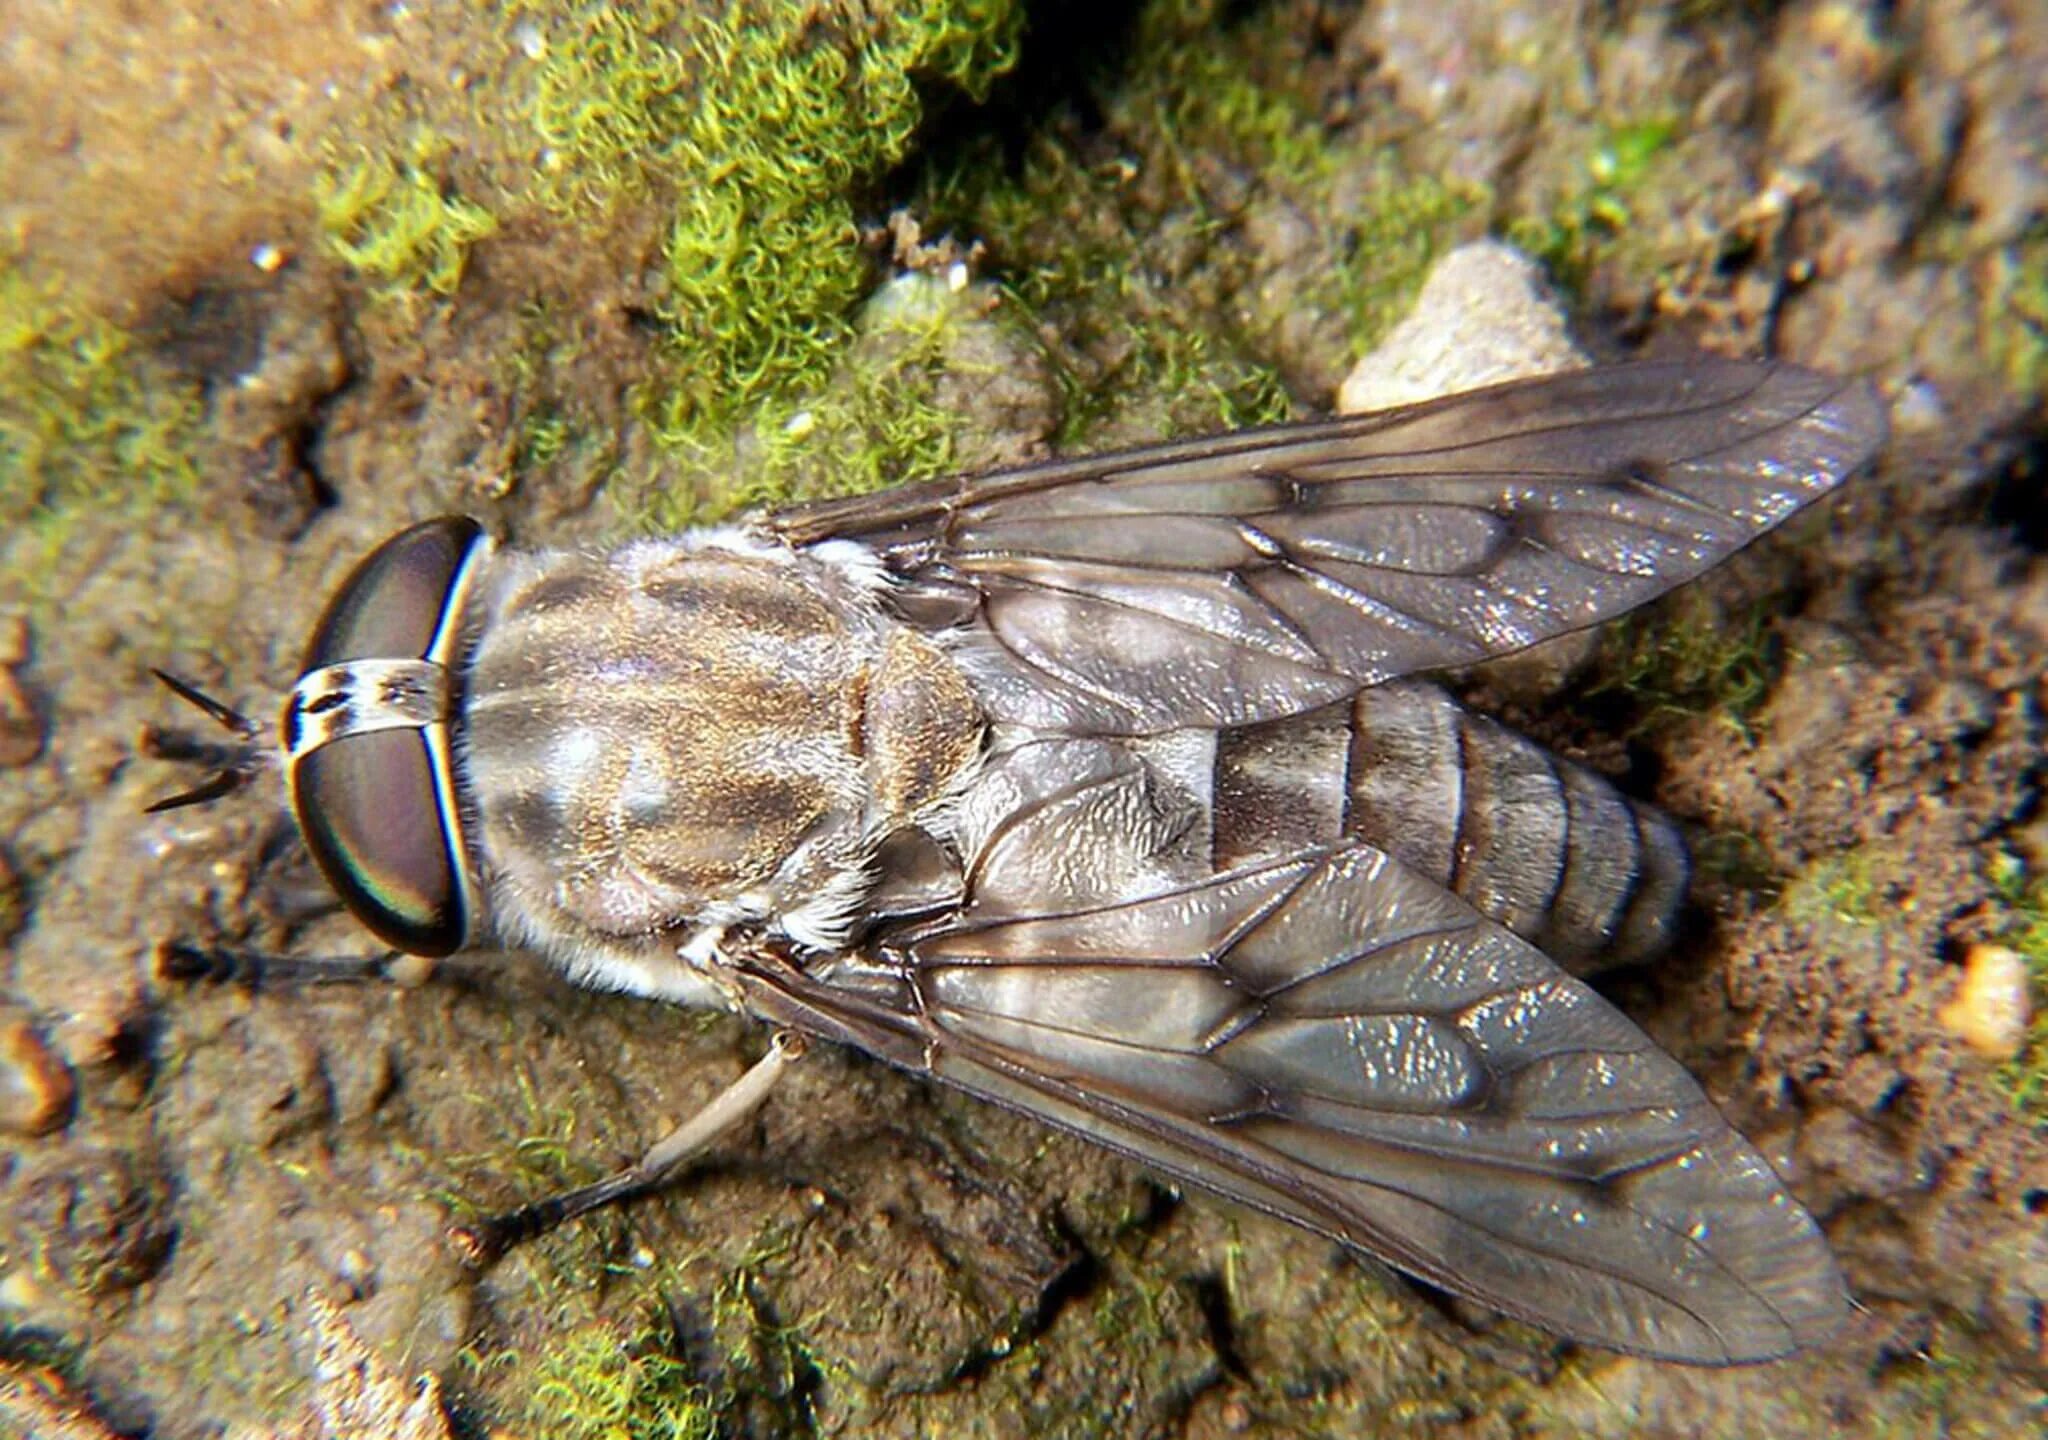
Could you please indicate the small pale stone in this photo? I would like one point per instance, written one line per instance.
(19, 1290)
(1991, 1009)
(1485, 314)
(1918, 409)
(36, 1090)
(357, 1271)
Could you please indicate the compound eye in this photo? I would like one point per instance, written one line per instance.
(392, 603)
(372, 815)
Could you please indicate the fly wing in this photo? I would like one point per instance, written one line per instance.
(1336, 1040)
(1234, 579)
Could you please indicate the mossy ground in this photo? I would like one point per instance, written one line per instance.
(394, 220)
(2015, 311)
(2023, 897)
(1593, 217)
(1688, 658)
(1190, 223)
(87, 418)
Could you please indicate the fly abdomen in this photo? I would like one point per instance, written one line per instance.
(1546, 847)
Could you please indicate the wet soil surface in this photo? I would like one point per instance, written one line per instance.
(1860, 188)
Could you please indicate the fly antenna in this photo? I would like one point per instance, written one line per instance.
(234, 764)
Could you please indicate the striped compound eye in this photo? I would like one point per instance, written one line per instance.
(368, 764)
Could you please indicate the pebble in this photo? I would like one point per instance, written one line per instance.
(1484, 315)
(36, 1090)
(1918, 410)
(1991, 1009)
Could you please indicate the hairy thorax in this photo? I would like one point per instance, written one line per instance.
(682, 735)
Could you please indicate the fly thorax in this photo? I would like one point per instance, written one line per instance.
(679, 734)
(921, 730)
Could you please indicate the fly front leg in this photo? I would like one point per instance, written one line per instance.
(732, 1107)
(181, 960)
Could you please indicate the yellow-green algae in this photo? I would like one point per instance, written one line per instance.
(1686, 658)
(2023, 895)
(397, 221)
(757, 128)
(1590, 219)
(2015, 312)
(84, 418)
(599, 1384)
(1847, 888)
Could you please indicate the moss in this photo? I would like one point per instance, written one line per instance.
(1844, 889)
(2015, 312)
(1155, 245)
(2024, 926)
(886, 415)
(543, 436)
(1202, 85)
(1136, 354)
(883, 426)
(1585, 224)
(1736, 859)
(395, 220)
(597, 1383)
(85, 417)
(1394, 242)
(1686, 659)
(1196, 84)
(758, 126)
(759, 129)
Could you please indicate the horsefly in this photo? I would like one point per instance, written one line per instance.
(1113, 790)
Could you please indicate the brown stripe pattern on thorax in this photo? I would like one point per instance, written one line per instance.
(660, 729)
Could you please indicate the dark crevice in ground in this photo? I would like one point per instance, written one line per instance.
(2019, 490)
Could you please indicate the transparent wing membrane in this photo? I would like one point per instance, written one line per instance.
(1333, 1038)
(1238, 578)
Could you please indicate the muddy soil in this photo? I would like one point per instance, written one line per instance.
(1858, 187)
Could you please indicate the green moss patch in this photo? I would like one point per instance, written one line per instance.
(757, 129)
(396, 220)
(1594, 215)
(2024, 898)
(596, 1383)
(1130, 246)
(1685, 659)
(1843, 889)
(84, 418)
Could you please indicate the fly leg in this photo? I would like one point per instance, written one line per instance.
(252, 969)
(484, 1241)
